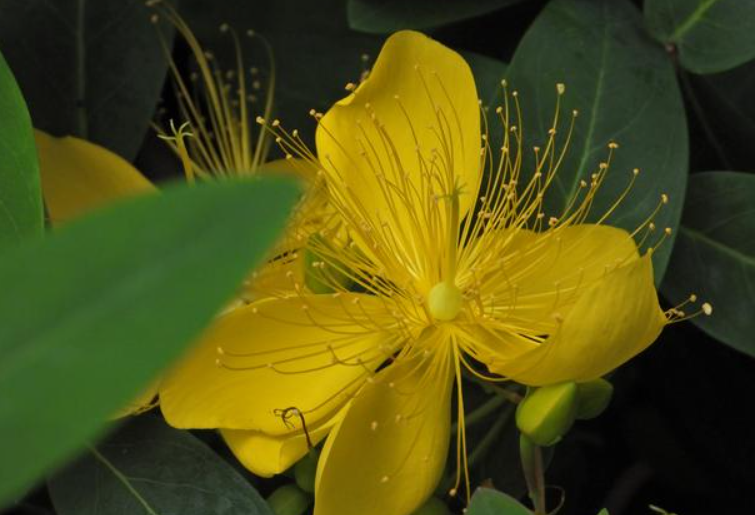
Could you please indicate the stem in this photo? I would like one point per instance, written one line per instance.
(509, 395)
(480, 413)
(532, 466)
(482, 446)
(491, 436)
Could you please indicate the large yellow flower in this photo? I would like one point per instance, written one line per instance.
(447, 270)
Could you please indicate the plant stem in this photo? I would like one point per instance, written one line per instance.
(509, 395)
(532, 466)
(475, 416)
(492, 435)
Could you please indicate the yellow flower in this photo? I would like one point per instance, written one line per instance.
(218, 106)
(215, 142)
(447, 269)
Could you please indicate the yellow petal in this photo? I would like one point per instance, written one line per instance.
(545, 273)
(418, 107)
(307, 353)
(539, 280)
(612, 321)
(266, 455)
(278, 276)
(78, 176)
(387, 455)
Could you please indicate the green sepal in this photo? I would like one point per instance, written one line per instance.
(593, 397)
(289, 500)
(547, 413)
(305, 471)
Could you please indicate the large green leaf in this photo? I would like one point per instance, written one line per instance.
(149, 468)
(20, 198)
(385, 16)
(316, 54)
(91, 68)
(710, 35)
(486, 501)
(90, 314)
(488, 73)
(625, 90)
(714, 256)
(724, 108)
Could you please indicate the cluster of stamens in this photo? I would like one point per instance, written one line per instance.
(217, 105)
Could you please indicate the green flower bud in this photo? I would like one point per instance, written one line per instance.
(433, 506)
(289, 500)
(547, 413)
(319, 273)
(305, 471)
(593, 398)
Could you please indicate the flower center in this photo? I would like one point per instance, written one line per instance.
(444, 301)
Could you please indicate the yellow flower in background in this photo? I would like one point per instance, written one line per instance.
(448, 271)
(218, 106)
(216, 141)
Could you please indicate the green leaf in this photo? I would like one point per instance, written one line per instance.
(715, 256)
(625, 90)
(21, 212)
(488, 73)
(91, 68)
(150, 468)
(722, 104)
(93, 312)
(385, 16)
(710, 35)
(603, 512)
(486, 501)
(316, 54)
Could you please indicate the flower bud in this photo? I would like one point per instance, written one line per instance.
(305, 471)
(593, 398)
(433, 506)
(289, 500)
(547, 413)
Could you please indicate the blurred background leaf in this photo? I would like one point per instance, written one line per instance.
(148, 467)
(715, 256)
(623, 85)
(89, 68)
(90, 314)
(710, 35)
(386, 16)
(21, 215)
